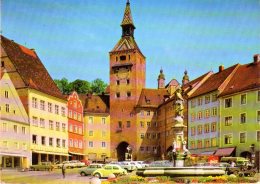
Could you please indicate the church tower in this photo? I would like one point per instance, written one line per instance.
(161, 80)
(127, 79)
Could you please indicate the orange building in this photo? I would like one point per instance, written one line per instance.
(75, 127)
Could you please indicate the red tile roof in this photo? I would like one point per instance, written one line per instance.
(30, 68)
(245, 78)
(95, 103)
(214, 81)
(152, 97)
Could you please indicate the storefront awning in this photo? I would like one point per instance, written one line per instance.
(74, 153)
(50, 153)
(208, 153)
(224, 151)
(12, 154)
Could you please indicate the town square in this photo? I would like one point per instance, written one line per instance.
(130, 92)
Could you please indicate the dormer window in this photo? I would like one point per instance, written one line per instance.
(122, 58)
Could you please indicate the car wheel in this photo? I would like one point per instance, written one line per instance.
(83, 174)
(97, 175)
(252, 173)
(240, 174)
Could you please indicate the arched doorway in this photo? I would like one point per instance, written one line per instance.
(121, 150)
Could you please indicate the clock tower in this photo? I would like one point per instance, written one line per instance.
(127, 79)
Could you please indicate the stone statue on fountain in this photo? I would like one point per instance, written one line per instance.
(179, 144)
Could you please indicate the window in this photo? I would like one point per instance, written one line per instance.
(213, 142)
(192, 117)
(142, 136)
(74, 115)
(63, 127)
(50, 141)
(123, 58)
(207, 99)
(258, 96)
(50, 124)
(75, 129)
(57, 126)
(141, 149)
(63, 143)
(70, 114)
(35, 121)
(228, 139)
(103, 121)
(148, 135)
(148, 124)
(193, 103)
(148, 113)
(90, 120)
(80, 130)
(42, 105)
(80, 144)
(242, 137)
(7, 108)
(15, 129)
(49, 107)
(90, 144)
(90, 133)
(258, 136)
(199, 143)
(120, 124)
(79, 117)
(2, 64)
(128, 94)
(155, 124)
(56, 109)
(127, 81)
(243, 99)
(103, 144)
(58, 143)
(199, 115)
(243, 118)
(142, 124)
(193, 131)
(117, 95)
(23, 130)
(207, 113)
(207, 143)
(213, 127)
(206, 128)
(34, 139)
(71, 128)
(128, 124)
(200, 101)
(192, 144)
(4, 127)
(258, 116)
(16, 145)
(228, 121)
(228, 102)
(6, 94)
(74, 104)
(200, 129)
(117, 82)
(34, 102)
(43, 140)
(24, 146)
(214, 111)
(71, 143)
(214, 97)
(63, 111)
(141, 112)
(42, 122)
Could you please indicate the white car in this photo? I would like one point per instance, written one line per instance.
(68, 164)
(77, 163)
(142, 163)
(137, 165)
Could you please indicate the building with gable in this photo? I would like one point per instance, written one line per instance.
(14, 127)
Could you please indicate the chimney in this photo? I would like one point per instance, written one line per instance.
(256, 58)
(221, 68)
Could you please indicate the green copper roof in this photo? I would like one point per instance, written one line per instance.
(127, 19)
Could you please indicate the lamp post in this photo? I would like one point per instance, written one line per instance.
(252, 148)
(129, 154)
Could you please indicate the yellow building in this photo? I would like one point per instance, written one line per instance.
(45, 105)
(96, 127)
(14, 127)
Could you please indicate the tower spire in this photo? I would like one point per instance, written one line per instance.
(127, 22)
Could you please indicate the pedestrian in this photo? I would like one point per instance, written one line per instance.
(63, 170)
(233, 164)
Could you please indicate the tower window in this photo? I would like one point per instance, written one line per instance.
(118, 82)
(118, 95)
(128, 94)
(2, 64)
(122, 58)
(127, 81)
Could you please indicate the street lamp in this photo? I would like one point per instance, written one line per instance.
(252, 148)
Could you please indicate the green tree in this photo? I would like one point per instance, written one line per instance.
(81, 86)
(98, 86)
(64, 85)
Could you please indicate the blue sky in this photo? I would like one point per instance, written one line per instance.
(73, 37)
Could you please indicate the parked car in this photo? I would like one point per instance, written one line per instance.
(87, 162)
(137, 165)
(77, 163)
(68, 164)
(90, 169)
(161, 163)
(128, 166)
(143, 163)
(108, 169)
(42, 166)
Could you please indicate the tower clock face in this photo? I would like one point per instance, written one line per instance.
(123, 73)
